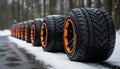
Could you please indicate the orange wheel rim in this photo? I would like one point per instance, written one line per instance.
(22, 32)
(26, 32)
(18, 31)
(44, 34)
(15, 31)
(32, 33)
(69, 36)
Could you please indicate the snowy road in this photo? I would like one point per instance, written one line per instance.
(61, 61)
(12, 57)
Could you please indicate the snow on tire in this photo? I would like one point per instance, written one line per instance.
(89, 35)
(35, 32)
(52, 33)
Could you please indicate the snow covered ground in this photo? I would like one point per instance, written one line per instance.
(4, 32)
(115, 58)
(61, 61)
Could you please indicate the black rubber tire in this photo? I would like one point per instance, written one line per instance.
(20, 27)
(17, 32)
(37, 24)
(13, 30)
(55, 33)
(23, 31)
(29, 23)
(95, 35)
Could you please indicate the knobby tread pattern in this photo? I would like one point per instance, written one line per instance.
(37, 24)
(95, 34)
(81, 29)
(51, 33)
(100, 35)
(23, 30)
(59, 23)
(55, 33)
(111, 32)
(29, 28)
(19, 31)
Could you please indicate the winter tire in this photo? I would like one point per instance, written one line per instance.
(52, 33)
(23, 30)
(19, 30)
(16, 30)
(28, 31)
(89, 35)
(35, 32)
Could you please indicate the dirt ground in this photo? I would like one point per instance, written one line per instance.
(12, 57)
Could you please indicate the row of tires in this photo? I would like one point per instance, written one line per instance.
(84, 34)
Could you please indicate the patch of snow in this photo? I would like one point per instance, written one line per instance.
(5, 32)
(115, 58)
(39, 19)
(61, 61)
(25, 22)
(30, 20)
(55, 60)
(53, 15)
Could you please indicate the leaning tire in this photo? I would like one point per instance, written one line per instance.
(89, 35)
(35, 32)
(52, 33)
(28, 31)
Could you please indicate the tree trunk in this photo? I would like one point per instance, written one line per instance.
(118, 14)
(81, 3)
(88, 3)
(13, 9)
(97, 3)
(22, 10)
(62, 7)
(44, 3)
(108, 5)
(71, 5)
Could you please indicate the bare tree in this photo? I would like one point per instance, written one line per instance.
(97, 3)
(108, 6)
(44, 3)
(117, 14)
(71, 5)
(88, 3)
(81, 2)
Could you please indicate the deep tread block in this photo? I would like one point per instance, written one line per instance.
(95, 34)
